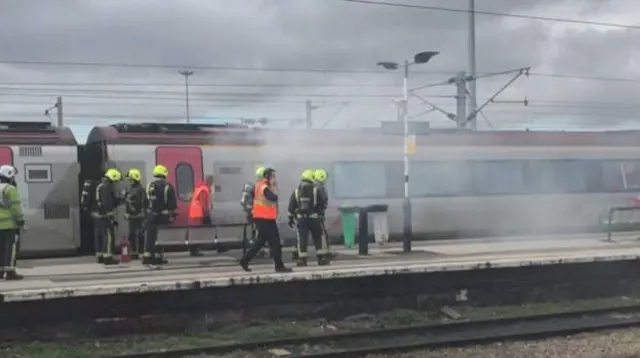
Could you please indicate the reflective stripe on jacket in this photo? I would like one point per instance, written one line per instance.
(262, 207)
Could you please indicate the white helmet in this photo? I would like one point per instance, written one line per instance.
(8, 171)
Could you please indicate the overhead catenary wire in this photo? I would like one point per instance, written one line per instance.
(495, 13)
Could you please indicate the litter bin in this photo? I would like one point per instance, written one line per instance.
(378, 214)
(349, 223)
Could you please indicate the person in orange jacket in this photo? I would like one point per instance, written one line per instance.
(200, 208)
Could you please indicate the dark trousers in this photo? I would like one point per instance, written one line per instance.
(136, 235)
(267, 231)
(104, 237)
(8, 250)
(152, 229)
(311, 227)
(253, 235)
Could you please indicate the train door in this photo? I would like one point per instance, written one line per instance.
(6, 156)
(185, 171)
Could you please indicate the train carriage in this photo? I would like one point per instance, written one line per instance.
(45, 157)
(481, 183)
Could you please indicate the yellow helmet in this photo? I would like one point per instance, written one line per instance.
(113, 175)
(134, 174)
(260, 172)
(307, 175)
(320, 175)
(160, 170)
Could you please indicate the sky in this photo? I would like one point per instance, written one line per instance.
(244, 53)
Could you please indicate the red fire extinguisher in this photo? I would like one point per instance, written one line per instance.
(125, 250)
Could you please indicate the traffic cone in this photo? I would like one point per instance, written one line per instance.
(125, 250)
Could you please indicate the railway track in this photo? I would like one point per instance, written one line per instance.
(356, 344)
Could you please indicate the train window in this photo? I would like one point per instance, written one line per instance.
(561, 176)
(359, 180)
(184, 181)
(439, 178)
(621, 175)
(230, 170)
(497, 177)
(37, 173)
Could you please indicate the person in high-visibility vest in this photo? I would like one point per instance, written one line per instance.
(265, 216)
(200, 207)
(11, 221)
(246, 201)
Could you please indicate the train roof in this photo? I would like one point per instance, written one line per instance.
(35, 133)
(232, 134)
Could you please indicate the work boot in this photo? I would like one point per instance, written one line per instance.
(108, 261)
(283, 269)
(100, 259)
(13, 276)
(195, 253)
(245, 266)
(159, 261)
(302, 262)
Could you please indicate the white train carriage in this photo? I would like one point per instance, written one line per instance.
(482, 183)
(45, 157)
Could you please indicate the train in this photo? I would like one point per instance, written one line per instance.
(461, 183)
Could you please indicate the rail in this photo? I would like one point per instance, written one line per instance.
(612, 211)
(353, 344)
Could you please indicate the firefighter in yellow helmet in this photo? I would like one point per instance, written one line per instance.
(135, 199)
(305, 209)
(161, 210)
(320, 177)
(104, 214)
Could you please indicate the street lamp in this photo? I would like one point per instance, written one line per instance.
(419, 58)
(186, 74)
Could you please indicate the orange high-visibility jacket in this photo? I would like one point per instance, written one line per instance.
(263, 208)
(200, 202)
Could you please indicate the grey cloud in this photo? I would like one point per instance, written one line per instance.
(309, 34)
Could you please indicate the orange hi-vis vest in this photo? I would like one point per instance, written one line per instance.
(199, 202)
(262, 207)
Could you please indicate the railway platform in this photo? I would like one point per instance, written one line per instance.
(47, 279)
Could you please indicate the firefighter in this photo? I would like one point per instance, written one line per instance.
(320, 177)
(104, 214)
(246, 201)
(11, 221)
(305, 209)
(265, 215)
(294, 251)
(135, 210)
(161, 211)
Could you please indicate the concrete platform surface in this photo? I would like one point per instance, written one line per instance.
(76, 277)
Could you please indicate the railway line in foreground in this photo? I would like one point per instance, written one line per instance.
(431, 336)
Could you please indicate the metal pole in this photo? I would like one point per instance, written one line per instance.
(186, 75)
(406, 242)
(473, 105)
(186, 90)
(461, 99)
(59, 111)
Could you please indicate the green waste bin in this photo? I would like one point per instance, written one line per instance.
(349, 223)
